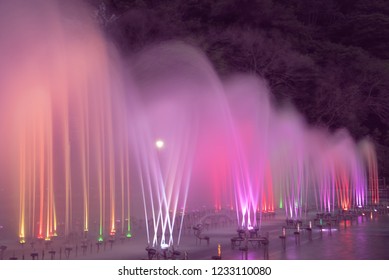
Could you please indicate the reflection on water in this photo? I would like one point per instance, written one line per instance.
(366, 241)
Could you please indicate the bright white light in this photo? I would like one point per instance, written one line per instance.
(327, 229)
(159, 144)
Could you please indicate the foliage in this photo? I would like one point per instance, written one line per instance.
(328, 57)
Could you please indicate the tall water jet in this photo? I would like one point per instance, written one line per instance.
(62, 92)
(250, 119)
(290, 162)
(370, 160)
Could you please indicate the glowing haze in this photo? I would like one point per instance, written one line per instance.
(87, 142)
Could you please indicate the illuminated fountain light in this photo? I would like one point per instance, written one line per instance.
(171, 120)
(66, 125)
(164, 180)
(164, 173)
(252, 182)
(370, 159)
(349, 173)
(290, 161)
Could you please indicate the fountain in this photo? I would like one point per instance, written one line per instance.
(64, 125)
(86, 138)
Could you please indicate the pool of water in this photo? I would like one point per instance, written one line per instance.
(368, 240)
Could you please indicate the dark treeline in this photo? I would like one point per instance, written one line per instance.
(330, 58)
